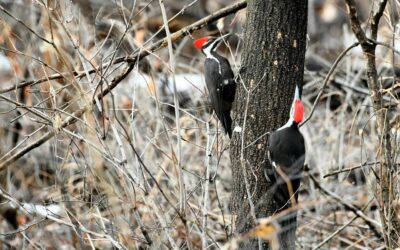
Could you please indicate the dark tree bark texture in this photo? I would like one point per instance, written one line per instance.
(272, 63)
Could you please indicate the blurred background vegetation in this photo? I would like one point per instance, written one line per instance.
(110, 179)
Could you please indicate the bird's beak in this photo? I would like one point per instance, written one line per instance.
(297, 93)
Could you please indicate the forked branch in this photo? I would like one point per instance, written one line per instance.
(130, 60)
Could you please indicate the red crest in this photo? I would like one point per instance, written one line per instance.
(200, 42)
(298, 111)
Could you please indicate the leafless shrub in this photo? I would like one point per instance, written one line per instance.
(102, 170)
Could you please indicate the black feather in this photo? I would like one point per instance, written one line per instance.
(221, 86)
(286, 150)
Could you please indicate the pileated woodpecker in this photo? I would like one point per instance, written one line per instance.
(220, 80)
(286, 153)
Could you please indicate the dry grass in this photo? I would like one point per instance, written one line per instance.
(113, 175)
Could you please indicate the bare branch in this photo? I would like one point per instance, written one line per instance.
(350, 169)
(340, 228)
(355, 22)
(326, 80)
(389, 219)
(376, 18)
(373, 224)
(139, 53)
(130, 60)
(24, 24)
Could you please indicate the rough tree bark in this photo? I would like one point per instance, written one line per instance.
(272, 63)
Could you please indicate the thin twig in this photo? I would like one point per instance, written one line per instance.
(385, 197)
(68, 121)
(355, 22)
(139, 54)
(350, 169)
(327, 78)
(21, 206)
(376, 18)
(32, 110)
(131, 60)
(24, 24)
(206, 186)
(373, 224)
(243, 162)
(181, 182)
(341, 228)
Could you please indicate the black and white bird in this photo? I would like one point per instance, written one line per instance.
(286, 153)
(220, 80)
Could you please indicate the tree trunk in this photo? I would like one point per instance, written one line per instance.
(386, 194)
(272, 63)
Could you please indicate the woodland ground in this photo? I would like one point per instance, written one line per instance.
(112, 176)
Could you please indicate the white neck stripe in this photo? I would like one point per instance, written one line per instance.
(207, 52)
(287, 125)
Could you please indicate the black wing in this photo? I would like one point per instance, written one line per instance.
(228, 85)
(286, 147)
(221, 87)
(286, 151)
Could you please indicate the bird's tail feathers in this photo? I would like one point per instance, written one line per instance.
(227, 123)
